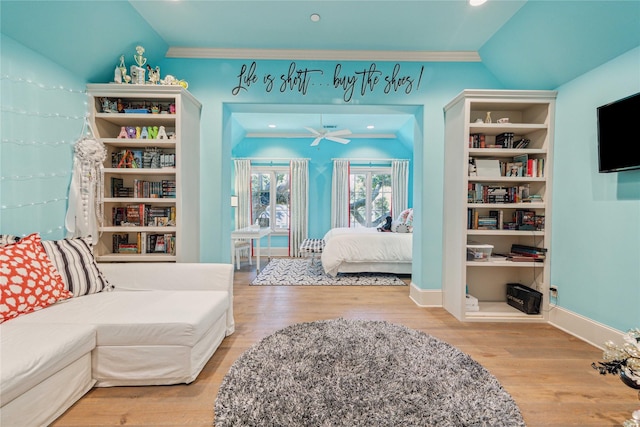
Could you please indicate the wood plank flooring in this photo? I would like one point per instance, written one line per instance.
(547, 371)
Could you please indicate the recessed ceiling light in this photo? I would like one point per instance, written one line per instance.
(477, 2)
(272, 126)
(315, 17)
(370, 126)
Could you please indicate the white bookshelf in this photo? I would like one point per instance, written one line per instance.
(531, 116)
(183, 126)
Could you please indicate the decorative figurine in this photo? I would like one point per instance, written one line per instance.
(154, 74)
(144, 134)
(172, 108)
(137, 72)
(131, 131)
(138, 130)
(488, 118)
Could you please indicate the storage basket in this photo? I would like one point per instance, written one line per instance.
(523, 298)
(263, 219)
(479, 252)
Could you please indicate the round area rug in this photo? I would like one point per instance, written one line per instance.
(360, 373)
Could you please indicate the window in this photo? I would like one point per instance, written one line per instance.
(270, 191)
(370, 196)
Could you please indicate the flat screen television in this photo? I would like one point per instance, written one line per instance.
(618, 135)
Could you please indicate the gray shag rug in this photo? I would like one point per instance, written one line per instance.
(360, 373)
(297, 271)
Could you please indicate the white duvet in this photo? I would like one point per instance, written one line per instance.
(364, 245)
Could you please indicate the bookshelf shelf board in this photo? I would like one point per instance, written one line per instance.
(502, 262)
(132, 200)
(506, 179)
(136, 229)
(506, 232)
(133, 142)
(504, 152)
(500, 310)
(136, 258)
(534, 205)
(498, 128)
(141, 171)
(131, 119)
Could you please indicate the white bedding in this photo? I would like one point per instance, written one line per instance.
(344, 246)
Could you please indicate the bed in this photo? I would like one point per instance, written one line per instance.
(355, 250)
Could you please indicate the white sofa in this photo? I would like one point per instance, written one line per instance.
(160, 325)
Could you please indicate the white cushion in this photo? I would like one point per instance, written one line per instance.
(32, 353)
(123, 318)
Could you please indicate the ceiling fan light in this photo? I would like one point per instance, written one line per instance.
(315, 17)
(477, 2)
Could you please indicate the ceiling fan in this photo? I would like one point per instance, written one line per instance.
(331, 135)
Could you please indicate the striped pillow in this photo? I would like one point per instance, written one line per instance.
(76, 264)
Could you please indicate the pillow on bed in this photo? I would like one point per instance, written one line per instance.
(405, 218)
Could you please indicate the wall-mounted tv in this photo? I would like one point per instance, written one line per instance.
(619, 135)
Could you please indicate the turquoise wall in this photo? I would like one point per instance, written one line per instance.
(43, 110)
(213, 83)
(596, 216)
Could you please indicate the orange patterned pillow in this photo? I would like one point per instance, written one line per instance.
(28, 280)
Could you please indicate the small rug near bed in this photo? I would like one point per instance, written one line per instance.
(300, 271)
(360, 373)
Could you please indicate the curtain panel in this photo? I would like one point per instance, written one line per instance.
(243, 191)
(340, 194)
(299, 205)
(399, 186)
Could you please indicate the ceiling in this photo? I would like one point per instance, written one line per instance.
(534, 44)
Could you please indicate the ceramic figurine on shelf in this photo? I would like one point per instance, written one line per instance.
(488, 118)
(131, 131)
(153, 132)
(138, 130)
(137, 72)
(144, 134)
(172, 108)
(154, 74)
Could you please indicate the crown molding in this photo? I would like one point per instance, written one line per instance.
(323, 55)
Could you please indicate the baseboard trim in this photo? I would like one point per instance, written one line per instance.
(425, 297)
(583, 328)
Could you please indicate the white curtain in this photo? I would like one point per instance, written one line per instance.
(340, 194)
(299, 205)
(243, 191)
(399, 186)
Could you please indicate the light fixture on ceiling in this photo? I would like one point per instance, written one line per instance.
(315, 17)
(477, 2)
(272, 126)
(370, 126)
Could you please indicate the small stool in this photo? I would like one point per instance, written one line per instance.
(311, 247)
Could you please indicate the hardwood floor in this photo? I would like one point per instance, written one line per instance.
(547, 371)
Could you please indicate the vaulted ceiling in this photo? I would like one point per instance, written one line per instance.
(534, 44)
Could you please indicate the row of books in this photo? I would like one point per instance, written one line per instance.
(503, 140)
(478, 192)
(521, 219)
(145, 243)
(144, 189)
(519, 166)
(149, 158)
(144, 215)
(526, 253)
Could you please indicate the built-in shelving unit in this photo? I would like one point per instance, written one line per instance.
(489, 206)
(158, 174)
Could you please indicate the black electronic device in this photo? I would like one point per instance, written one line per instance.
(618, 136)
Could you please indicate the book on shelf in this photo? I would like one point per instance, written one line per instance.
(118, 239)
(116, 185)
